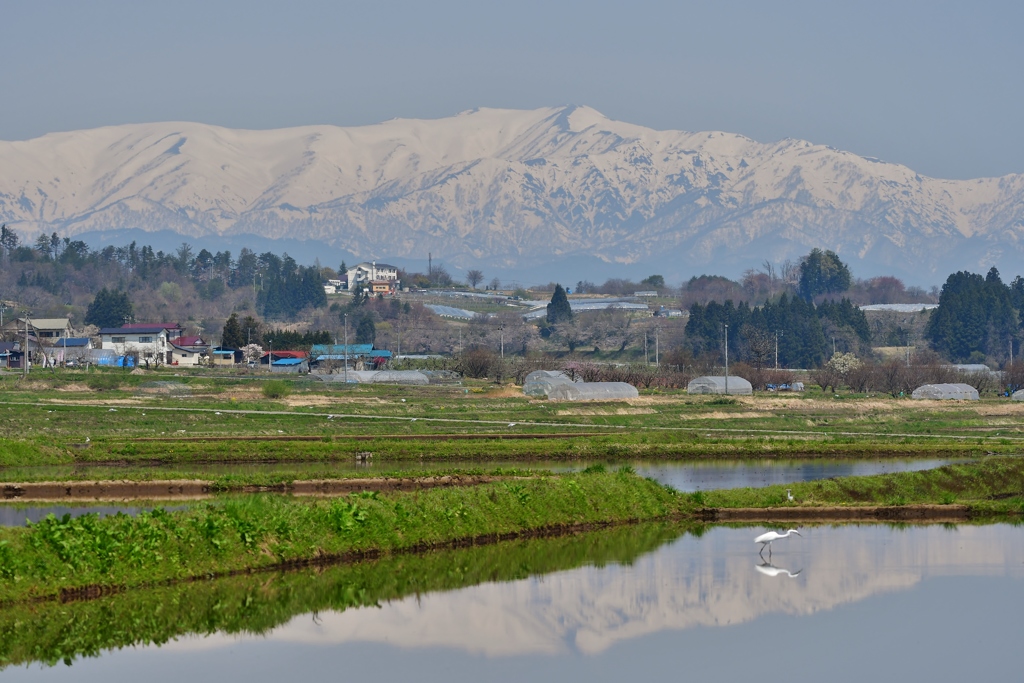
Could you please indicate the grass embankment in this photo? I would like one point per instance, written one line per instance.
(62, 556)
(55, 631)
(990, 486)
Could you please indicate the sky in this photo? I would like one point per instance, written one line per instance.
(931, 84)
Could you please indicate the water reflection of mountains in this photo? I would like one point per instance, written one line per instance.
(710, 581)
(544, 596)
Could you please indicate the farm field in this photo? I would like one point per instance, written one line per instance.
(60, 420)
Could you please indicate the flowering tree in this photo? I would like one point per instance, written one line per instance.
(252, 352)
(844, 363)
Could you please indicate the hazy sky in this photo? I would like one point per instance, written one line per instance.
(932, 84)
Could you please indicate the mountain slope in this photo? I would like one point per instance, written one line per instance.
(506, 188)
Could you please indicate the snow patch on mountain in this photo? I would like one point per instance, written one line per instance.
(510, 187)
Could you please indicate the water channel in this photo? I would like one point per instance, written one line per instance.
(651, 602)
(682, 475)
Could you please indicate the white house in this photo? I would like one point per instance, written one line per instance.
(371, 272)
(152, 342)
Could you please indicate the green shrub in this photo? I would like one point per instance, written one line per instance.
(276, 389)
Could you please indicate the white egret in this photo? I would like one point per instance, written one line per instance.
(766, 539)
(771, 570)
(789, 494)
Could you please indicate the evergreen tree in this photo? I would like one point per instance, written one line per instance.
(821, 272)
(233, 337)
(975, 314)
(252, 330)
(845, 314)
(110, 308)
(8, 240)
(559, 309)
(366, 330)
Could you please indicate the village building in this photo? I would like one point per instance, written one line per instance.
(151, 341)
(45, 330)
(380, 278)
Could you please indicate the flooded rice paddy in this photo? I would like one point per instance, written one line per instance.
(684, 476)
(649, 602)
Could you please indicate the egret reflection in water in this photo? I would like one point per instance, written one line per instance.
(769, 569)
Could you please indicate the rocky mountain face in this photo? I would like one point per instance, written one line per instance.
(510, 189)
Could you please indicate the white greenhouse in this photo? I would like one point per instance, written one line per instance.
(716, 385)
(955, 392)
(539, 383)
(592, 391)
(376, 377)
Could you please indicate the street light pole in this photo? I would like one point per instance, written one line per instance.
(346, 348)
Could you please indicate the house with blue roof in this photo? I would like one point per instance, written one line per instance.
(355, 354)
(291, 365)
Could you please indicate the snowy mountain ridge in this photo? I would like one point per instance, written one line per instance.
(506, 188)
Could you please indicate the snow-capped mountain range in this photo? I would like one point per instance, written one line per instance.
(508, 189)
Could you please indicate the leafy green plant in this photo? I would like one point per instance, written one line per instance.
(344, 516)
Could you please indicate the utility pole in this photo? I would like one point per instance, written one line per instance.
(647, 359)
(726, 358)
(833, 346)
(460, 340)
(776, 349)
(501, 332)
(25, 359)
(346, 348)
(657, 357)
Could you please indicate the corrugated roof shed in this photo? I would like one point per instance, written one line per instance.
(354, 350)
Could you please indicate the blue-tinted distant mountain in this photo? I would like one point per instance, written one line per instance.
(515, 191)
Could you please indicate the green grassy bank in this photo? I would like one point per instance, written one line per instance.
(993, 485)
(663, 445)
(54, 631)
(60, 556)
(66, 556)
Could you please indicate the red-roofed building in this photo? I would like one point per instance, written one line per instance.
(191, 341)
(271, 356)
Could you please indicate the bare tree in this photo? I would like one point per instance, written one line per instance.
(474, 277)
(495, 284)
(760, 345)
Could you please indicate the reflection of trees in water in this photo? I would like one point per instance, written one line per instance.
(52, 631)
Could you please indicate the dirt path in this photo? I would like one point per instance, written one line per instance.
(195, 489)
(840, 513)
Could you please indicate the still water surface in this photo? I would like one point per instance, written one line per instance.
(846, 603)
(684, 476)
